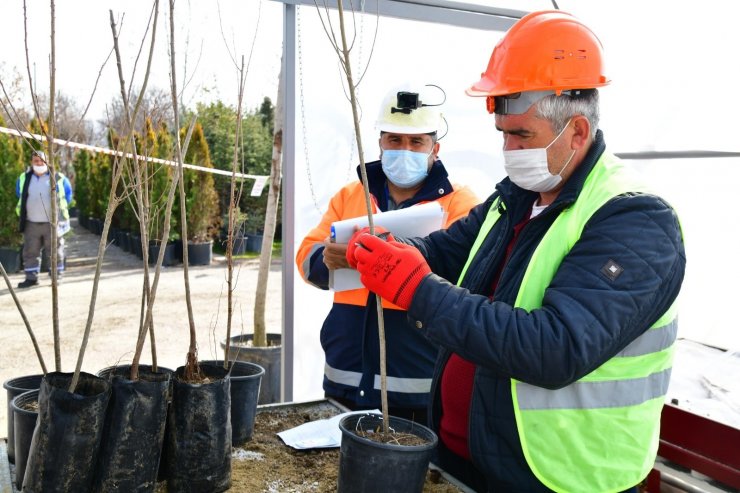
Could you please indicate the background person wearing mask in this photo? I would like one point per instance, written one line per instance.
(554, 300)
(33, 189)
(408, 173)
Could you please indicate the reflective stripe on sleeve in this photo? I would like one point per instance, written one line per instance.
(306, 267)
(652, 340)
(395, 384)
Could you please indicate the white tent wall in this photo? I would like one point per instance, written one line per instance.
(704, 199)
(666, 95)
(328, 158)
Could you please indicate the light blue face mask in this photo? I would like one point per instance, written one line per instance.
(404, 168)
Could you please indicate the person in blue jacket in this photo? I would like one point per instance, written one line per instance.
(33, 189)
(554, 301)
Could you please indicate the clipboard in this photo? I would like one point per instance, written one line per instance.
(419, 220)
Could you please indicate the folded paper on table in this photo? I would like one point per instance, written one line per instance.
(322, 433)
(419, 220)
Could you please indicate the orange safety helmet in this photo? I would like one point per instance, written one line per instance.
(548, 50)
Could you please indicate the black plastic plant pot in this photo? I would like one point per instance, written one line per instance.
(134, 430)
(240, 349)
(200, 253)
(367, 466)
(125, 371)
(66, 440)
(199, 435)
(169, 253)
(15, 387)
(245, 389)
(24, 422)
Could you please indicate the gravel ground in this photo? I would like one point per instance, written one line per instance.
(115, 325)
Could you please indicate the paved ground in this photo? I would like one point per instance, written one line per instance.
(115, 322)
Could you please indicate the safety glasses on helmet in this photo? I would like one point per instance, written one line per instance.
(518, 103)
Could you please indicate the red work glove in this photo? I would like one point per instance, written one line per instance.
(392, 270)
(352, 244)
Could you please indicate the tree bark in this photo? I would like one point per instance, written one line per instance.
(273, 199)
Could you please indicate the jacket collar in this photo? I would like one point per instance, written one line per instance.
(436, 185)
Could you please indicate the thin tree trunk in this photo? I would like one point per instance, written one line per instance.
(273, 199)
(192, 370)
(48, 132)
(378, 299)
(54, 194)
(233, 207)
(155, 283)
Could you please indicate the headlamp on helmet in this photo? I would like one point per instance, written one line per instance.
(403, 110)
(406, 102)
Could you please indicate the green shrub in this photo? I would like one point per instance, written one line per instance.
(11, 167)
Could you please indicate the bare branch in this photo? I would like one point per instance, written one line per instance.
(34, 100)
(113, 199)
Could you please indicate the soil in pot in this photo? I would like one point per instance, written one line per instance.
(241, 349)
(373, 463)
(59, 460)
(245, 387)
(266, 464)
(199, 435)
(25, 411)
(13, 388)
(134, 431)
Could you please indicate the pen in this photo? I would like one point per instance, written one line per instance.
(383, 236)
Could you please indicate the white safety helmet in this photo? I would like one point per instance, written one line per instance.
(404, 110)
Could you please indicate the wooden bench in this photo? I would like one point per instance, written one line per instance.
(698, 444)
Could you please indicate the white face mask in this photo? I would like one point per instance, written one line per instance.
(40, 170)
(528, 168)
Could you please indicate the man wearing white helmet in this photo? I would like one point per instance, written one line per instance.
(408, 173)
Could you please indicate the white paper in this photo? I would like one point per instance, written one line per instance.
(322, 433)
(259, 184)
(419, 220)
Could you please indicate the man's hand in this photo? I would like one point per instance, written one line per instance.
(391, 269)
(352, 245)
(335, 255)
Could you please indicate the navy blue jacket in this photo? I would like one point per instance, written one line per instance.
(583, 321)
(349, 335)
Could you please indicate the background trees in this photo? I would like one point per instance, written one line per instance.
(219, 123)
(212, 146)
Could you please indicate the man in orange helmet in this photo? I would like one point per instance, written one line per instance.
(554, 300)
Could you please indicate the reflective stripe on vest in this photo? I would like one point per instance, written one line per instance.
(395, 384)
(61, 197)
(599, 434)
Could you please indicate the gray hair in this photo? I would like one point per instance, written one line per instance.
(559, 109)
